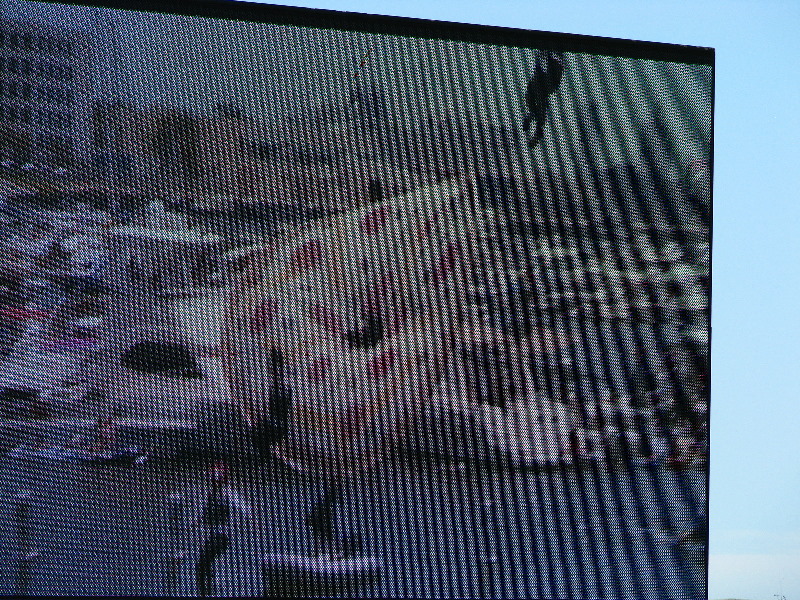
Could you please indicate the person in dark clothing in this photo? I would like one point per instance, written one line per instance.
(273, 425)
(322, 516)
(545, 80)
(270, 431)
(646, 449)
(321, 521)
(216, 520)
(575, 450)
(214, 545)
(624, 448)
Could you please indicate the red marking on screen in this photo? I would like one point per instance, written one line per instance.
(318, 369)
(380, 364)
(394, 325)
(325, 317)
(350, 421)
(307, 255)
(374, 220)
(445, 264)
(21, 314)
(426, 229)
(698, 164)
(261, 316)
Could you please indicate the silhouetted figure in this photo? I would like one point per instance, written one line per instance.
(646, 449)
(272, 429)
(215, 518)
(273, 424)
(545, 80)
(368, 335)
(624, 448)
(321, 521)
(321, 518)
(575, 449)
(22, 516)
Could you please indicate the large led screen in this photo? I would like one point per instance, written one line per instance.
(298, 303)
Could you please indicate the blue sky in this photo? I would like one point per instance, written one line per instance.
(755, 483)
(755, 480)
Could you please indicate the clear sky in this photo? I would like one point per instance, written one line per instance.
(755, 427)
(755, 479)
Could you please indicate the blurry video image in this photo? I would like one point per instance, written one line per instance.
(308, 311)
